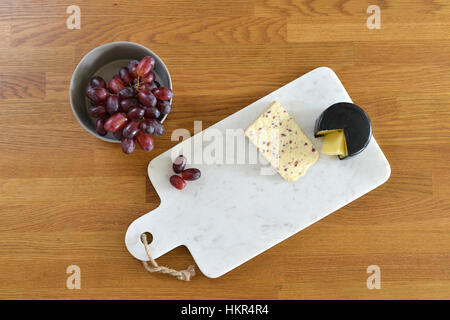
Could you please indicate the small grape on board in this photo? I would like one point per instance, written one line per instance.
(177, 182)
(190, 174)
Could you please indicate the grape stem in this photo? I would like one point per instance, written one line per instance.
(137, 84)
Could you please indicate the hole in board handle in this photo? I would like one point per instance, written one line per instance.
(149, 237)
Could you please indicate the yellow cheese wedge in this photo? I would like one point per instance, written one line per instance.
(280, 140)
(334, 143)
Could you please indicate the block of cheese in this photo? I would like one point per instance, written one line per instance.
(334, 143)
(282, 143)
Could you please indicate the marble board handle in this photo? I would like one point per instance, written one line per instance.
(159, 223)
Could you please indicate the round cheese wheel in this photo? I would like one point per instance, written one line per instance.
(352, 119)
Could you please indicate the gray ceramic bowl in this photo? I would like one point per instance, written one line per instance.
(105, 61)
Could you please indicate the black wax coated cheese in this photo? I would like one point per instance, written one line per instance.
(352, 119)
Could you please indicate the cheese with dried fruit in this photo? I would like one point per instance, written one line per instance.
(282, 143)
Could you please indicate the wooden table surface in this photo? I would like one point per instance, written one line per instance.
(67, 198)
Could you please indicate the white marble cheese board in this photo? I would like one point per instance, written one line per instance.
(233, 212)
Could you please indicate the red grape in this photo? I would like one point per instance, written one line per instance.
(125, 75)
(90, 93)
(126, 104)
(118, 134)
(115, 84)
(179, 164)
(152, 113)
(128, 145)
(163, 93)
(115, 122)
(177, 182)
(96, 94)
(191, 174)
(147, 98)
(145, 141)
(135, 113)
(131, 129)
(98, 82)
(98, 104)
(163, 106)
(132, 68)
(145, 66)
(112, 104)
(97, 112)
(149, 78)
(159, 128)
(99, 127)
(126, 93)
(146, 126)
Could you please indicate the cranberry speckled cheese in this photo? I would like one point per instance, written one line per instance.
(281, 141)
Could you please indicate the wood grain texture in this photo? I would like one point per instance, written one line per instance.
(67, 198)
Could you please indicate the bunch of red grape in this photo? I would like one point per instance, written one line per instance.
(131, 105)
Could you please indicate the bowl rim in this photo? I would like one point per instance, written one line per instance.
(152, 53)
